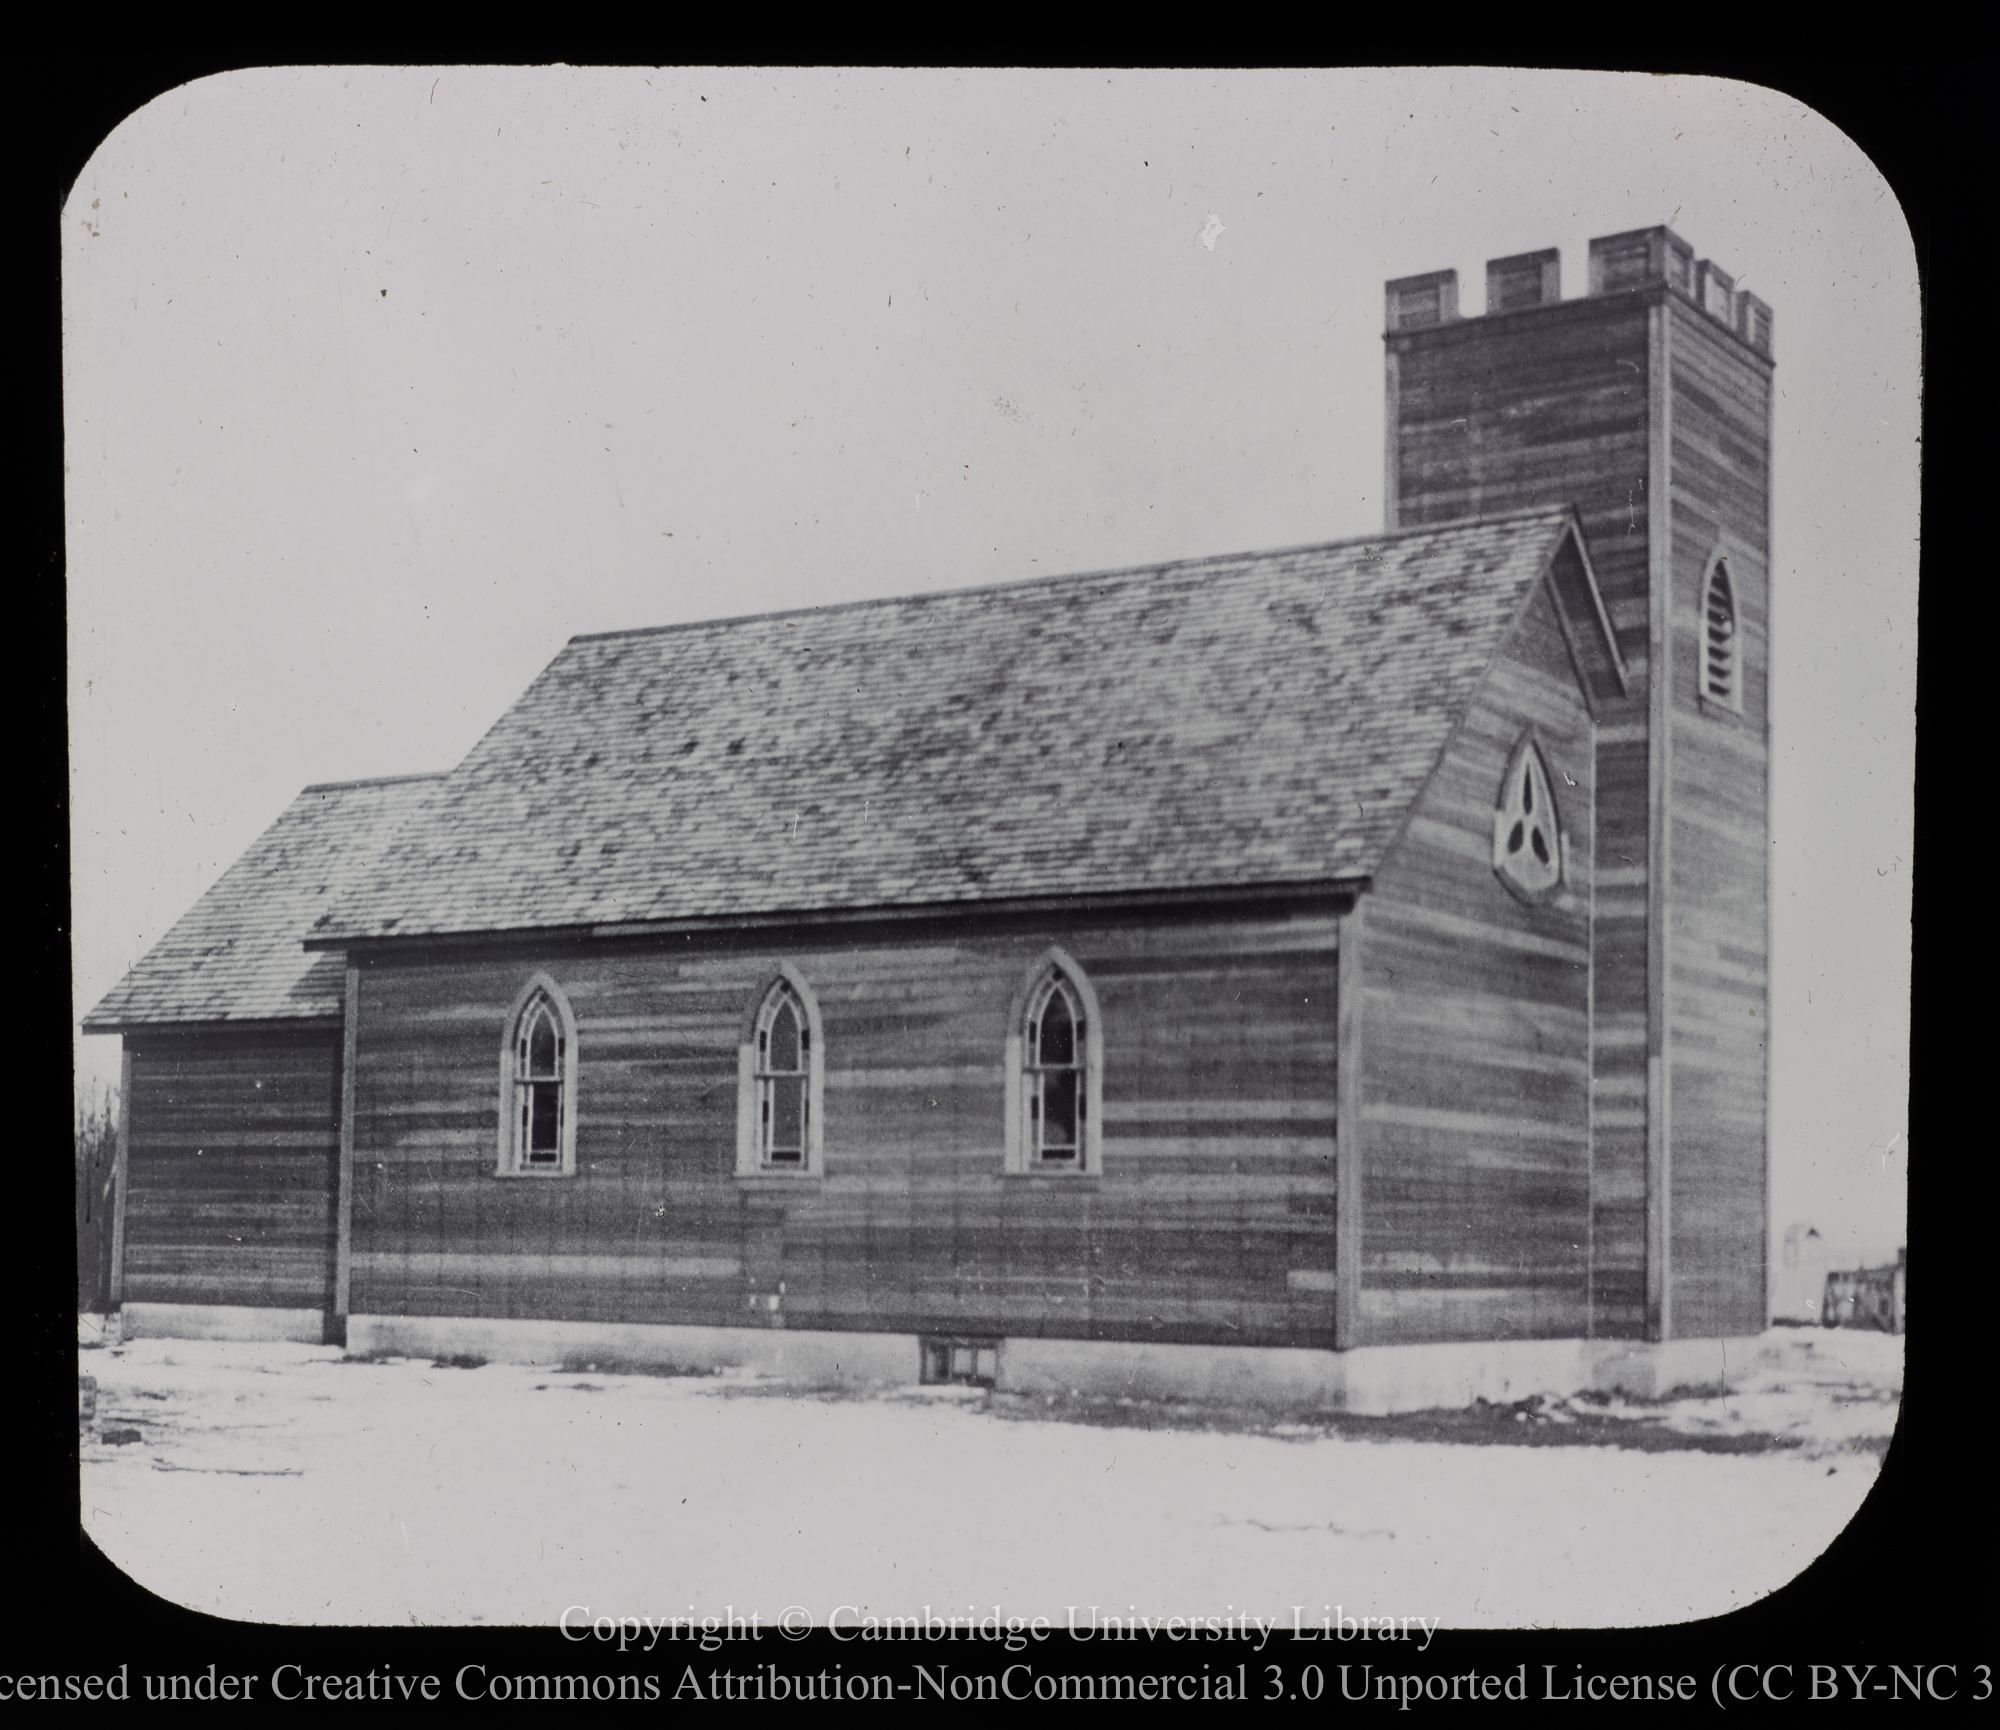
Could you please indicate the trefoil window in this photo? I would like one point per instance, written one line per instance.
(1527, 831)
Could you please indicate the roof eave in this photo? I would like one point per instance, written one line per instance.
(126, 1024)
(1574, 532)
(1341, 887)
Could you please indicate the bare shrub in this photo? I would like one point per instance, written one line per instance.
(96, 1186)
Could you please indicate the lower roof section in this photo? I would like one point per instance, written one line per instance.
(234, 959)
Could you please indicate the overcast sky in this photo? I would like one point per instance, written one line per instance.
(382, 383)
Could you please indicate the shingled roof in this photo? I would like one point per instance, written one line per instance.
(1264, 719)
(236, 955)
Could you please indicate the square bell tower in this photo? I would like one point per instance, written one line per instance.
(1646, 404)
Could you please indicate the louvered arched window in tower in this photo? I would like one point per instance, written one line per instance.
(1721, 644)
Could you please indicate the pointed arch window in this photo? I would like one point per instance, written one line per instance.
(1055, 1084)
(781, 1083)
(538, 1085)
(1721, 647)
(1053, 1062)
(1528, 841)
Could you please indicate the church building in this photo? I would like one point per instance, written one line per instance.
(1334, 976)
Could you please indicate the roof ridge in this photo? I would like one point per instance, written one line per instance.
(372, 781)
(1016, 584)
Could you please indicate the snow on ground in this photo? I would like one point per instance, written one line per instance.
(284, 1483)
(1825, 1393)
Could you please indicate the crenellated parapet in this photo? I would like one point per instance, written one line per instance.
(1640, 258)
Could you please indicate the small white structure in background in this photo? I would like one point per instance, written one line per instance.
(1818, 1281)
(1798, 1282)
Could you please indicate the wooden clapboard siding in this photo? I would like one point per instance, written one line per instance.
(1550, 405)
(1567, 403)
(234, 1140)
(1212, 1218)
(1544, 406)
(1718, 993)
(1476, 1067)
(1619, 1035)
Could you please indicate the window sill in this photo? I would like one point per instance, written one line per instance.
(539, 1176)
(777, 1179)
(1055, 1179)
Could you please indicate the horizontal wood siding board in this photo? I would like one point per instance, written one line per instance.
(1552, 404)
(1498, 415)
(1410, 1317)
(1718, 961)
(1477, 1071)
(1220, 1099)
(232, 1144)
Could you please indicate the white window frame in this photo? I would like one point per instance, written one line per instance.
(752, 1081)
(1023, 1152)
(1528, 766)
(512, 1160)
(1730, 697)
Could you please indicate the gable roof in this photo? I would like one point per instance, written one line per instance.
(236, 955)
(1263, 719)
